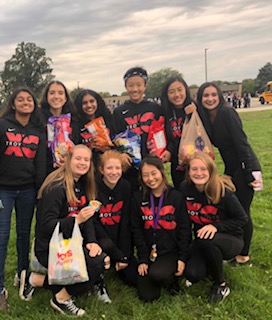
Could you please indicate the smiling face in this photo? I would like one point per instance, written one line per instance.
(199, 173)
(23, 104)
(135, 88)
(56, 98)
(176, 94)
(80, 162)
(210, 98)
(152, 178)
(89, 106)
(111, 171)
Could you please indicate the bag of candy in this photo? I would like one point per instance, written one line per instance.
(100, 133)
(58, 129)
(156, 140)
(130, 143)
(194, 139)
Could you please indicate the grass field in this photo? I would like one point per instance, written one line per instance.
(251, 286)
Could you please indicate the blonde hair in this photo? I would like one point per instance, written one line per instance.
(216, 185)
(63, 176)
(110, 154)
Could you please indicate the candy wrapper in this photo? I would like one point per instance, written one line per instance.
(194, 139)
(130, 143)
(95, 204)
(156, 140)
(99, 131)
(58, 136)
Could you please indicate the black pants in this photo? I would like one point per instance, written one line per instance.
(245, 194)
(95, 269)
(160, 273)
(128, 275)
(206, 257)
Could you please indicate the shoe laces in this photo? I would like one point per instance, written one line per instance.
(28, 289)
(71, 307)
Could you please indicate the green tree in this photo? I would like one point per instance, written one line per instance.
(157, 79)
(29, 67)
(124, 93)
(73, 93)
(264, 75)
(248, 85)
(104, 94)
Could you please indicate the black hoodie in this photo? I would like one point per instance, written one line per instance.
(137, 118)
(22, 154)
(113, 218)
(173, 233)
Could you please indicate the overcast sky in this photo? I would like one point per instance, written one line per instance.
(94, 42)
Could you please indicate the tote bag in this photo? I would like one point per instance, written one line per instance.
(66, 262)
(194, 139)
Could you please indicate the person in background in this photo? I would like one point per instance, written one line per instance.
(90, 105)
(225, 130)
(64, 198)
(136, 115)
(22, 171)
(177, 105)
(55, 102)
(217, 217)
(161, 232)
(113, 219)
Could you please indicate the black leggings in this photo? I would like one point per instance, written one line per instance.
(206, 257)
(160, 273)
(245, 194)
(95, 269)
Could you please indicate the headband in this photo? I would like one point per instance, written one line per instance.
(135, 73)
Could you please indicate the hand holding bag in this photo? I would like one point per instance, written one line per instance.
(194, 139)
(66, 263)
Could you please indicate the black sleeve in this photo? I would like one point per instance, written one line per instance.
(240, 143)
(40, 161)
(50, 209)
(184, 231)
(137, 225)
(234, 211)
(125, 234)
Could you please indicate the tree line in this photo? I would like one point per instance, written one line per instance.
(29, 66)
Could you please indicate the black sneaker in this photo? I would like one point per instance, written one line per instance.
(3, 300)
(218, 293)
(173, 289)
(26, 290)
(67, 307)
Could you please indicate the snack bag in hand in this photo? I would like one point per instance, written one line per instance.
(130, 143)
(99, 131)
(58, 136)
(156, 140)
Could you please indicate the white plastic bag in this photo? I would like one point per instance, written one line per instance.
(34, 264)
(66, 262)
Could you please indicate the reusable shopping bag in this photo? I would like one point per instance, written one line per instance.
(194, 139)
(66, 263)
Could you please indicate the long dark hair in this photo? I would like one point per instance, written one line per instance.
(201, 89)
(102, 109)
(166, 104)
(155, 161)
(68, 107)
(35, 116)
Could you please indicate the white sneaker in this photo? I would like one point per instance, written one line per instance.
(102, 293)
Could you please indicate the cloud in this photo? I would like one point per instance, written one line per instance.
(93, 42)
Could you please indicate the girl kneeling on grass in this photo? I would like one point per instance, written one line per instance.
(113, 219)
(63, 198)
(218, 218)
(161, 232)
